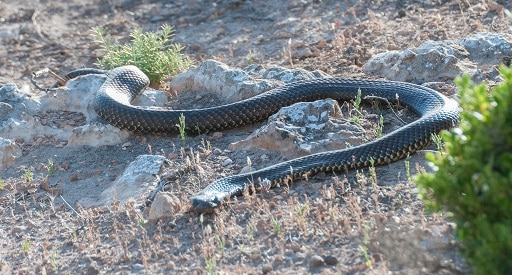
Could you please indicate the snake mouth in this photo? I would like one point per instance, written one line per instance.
(204, 202)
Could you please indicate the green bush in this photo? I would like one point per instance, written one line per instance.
(472, 178)
(151, 52)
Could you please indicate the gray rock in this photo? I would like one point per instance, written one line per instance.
(435, 61)
(136, 182)
(316, 261)
(9, 152)
(22, 113)
(164, 206)
(5, 110)
(236, 84)
(304, 128)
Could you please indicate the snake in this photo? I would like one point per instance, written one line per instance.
(435, 112)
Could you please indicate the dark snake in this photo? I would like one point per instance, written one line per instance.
(436, 112)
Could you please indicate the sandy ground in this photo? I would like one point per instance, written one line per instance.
(296, 229)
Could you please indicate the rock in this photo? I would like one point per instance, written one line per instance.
(97, 134)
(164, 206)
(5, 110)
(266, 268)
(237, 84)
(136, 182)
(435, 61)
(302, 129)
(227, 162)
(9, 152)
(65, 113)
(316, 261)
(151, 97)
(330, 260)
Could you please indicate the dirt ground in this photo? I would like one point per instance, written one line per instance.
(359, 222)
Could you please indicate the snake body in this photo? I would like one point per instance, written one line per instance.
(436, 112)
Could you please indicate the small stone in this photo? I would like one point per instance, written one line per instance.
(217, 135)
(316, 261)
(172, 156)
(227, 162)
(92, 270)
(164, 206)
(138, 266)
(264, 157)
(126, 144)
(330, 260)
(266, 268)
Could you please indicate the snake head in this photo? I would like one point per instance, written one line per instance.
(206, 201)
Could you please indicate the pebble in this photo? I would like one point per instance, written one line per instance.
(266, 268)
(316, 261)
(330, 260)
(227, 162)
(138, 266)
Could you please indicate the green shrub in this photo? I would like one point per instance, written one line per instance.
(152, 52)
(473, 176)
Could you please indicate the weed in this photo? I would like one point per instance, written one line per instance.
(211, 264)
(53, 258)
(438, 141)
(357, 108)
(373, 173)
(357, 101)
(380, 127)
(368, 260)
(151, 52)
(29, 176)
(182, 128)
(250, 58)
(407, 163)
(25, 245)
(220, 243)
(366, 255)
(51, 168)
(276, 225)
(2, 184)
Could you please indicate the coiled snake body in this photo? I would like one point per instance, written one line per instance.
(437, 112)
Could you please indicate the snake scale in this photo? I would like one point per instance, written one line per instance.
(436, 112)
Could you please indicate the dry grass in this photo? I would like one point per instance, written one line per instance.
(344, 223)
(326, 224)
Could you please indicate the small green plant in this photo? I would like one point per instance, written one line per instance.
(438, 141)
(408, 167)
(51, 168)
(276, 225)
(152, 52)
(220, 243)
(366, 255)
(28, 175)
(357, 107)
(25, 245)
(211, 264)
(2, 184)
(373, 173)
(182, 128)
(367, 258)
(380, 127)
(357, 101)
(53, 260)
(472, 179)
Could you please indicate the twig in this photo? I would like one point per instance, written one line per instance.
(389, 104)
(71, 207)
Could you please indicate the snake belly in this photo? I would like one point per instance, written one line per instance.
(436, 112)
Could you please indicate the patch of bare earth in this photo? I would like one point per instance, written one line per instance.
(356, 222)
